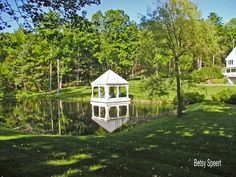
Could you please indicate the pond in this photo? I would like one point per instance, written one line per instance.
(70, 118)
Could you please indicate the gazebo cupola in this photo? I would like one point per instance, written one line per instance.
(110, 87)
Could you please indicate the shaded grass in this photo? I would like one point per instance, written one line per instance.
(163, 147)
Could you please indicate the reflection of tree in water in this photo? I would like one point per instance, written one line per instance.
(55, 117)
(48, 116)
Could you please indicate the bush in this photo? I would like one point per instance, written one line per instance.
(225, 96)
(1, 95)
(207, 73)
(191, 98)
(222, 96)
(232, 99)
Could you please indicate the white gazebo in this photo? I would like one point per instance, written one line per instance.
(110, 87)
(230, 70)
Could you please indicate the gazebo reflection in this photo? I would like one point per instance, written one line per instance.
(110, 116)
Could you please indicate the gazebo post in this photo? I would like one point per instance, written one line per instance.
(127, 91)
(92, 91)
(107, 115)
(107, 92)
(99, 92)
(127, 108)
(117, 91)
(118, 111)
(99, 111)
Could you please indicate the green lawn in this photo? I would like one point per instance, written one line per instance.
(162, 147)
(137, 92)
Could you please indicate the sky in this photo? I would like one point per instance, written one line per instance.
(136, 8)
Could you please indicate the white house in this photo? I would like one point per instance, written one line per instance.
(230, 70)
(108, 87)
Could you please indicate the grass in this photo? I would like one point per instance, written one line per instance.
(136, 91)
(163, 147)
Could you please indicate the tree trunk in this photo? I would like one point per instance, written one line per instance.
(78, 75)
(50, 76)
(169, 69)
(58, 77)
(179, 97)
(51, 116)
(199, 61)
(213, 60)
(50, 71)
(59, 116)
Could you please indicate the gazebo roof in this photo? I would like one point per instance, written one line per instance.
(232, 55)
(110, 78)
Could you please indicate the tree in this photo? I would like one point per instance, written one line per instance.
(231, 30)
(117, 35)
(30, 12)
(217, 37)
(50, 30)
(178, 21)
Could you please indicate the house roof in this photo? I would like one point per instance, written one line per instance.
(232, 55)
(110, 78)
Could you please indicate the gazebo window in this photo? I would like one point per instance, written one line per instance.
(123, 110)
(98, 92)
(95, 92)
(113, 92)
(99, 111)
(123, 91)
(95, 111)
(102, 112)
(102, 92)
(113, 113)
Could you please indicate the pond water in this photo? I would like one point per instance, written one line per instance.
(70, 118)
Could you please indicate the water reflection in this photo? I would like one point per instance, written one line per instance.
(69, 118)
(110, 116)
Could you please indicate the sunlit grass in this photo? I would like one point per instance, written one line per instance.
(137, 92)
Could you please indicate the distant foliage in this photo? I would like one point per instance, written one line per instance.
(158, 86)
(1, 95)
(207, 73)
(225, 96)
(191, 98)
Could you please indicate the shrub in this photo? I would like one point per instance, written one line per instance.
(226, 96)
(232, 99)
(207, 73)
(191, 98)
(1, 95)
(222, 96)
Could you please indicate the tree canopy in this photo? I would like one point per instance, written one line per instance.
(66, 49)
